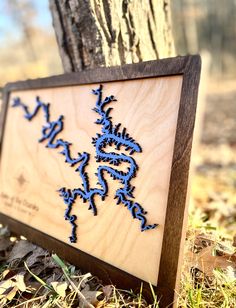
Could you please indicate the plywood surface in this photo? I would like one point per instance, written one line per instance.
(31, 174)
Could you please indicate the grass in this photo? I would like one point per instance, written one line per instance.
(211, 224)
(219, 292)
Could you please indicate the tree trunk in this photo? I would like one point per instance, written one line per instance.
(93, 33)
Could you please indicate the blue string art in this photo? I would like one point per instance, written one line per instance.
(111, 135)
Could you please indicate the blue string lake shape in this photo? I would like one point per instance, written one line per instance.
(111, 135)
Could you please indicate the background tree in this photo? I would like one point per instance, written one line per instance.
(93, 33)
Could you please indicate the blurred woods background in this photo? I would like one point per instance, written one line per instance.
(28, 45)
(29, 50)
(209, 27)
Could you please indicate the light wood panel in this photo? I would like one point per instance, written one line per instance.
(31, 174)
(186, 68)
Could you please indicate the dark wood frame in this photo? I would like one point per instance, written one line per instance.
(189, 67)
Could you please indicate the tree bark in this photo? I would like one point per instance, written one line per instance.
(93, 33)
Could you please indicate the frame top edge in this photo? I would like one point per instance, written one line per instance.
(153, 68)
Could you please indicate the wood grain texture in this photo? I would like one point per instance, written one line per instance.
(188, 68)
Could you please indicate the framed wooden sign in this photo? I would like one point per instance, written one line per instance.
(94, 165)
